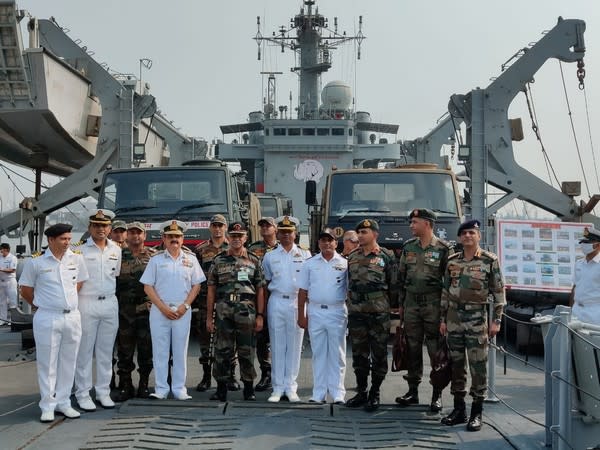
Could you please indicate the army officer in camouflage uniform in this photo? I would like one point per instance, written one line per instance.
(421, 269)
(372, 285)
(236, 291)
(134, 315)
(471, 277)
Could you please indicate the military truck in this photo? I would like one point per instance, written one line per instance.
(387, 195)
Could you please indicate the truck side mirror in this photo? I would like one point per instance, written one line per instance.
(311, 193)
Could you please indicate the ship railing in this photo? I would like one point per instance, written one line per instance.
(572, 379)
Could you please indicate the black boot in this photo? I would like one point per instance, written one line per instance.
(142, 390)
(204, 384)
(265, 381)
(411, 397)
(113, 383)
(126, 390)
(474, 423)
(232, 384)
(436, 401)
(361, 393)
(221, 393)
(249, 391)
(373, 400)
(458, 414)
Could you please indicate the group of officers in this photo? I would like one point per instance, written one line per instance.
(257, 300)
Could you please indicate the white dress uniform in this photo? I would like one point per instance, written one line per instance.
(326, 283)
(56, 323)
(8, 285)
(99, 318)
(586, 302)
(281, 269)
(172, 278)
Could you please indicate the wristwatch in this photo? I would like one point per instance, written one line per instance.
(498, 321)
(186, 306)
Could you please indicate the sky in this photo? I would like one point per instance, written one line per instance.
(416, 54)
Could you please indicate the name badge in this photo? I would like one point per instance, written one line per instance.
(242, 275)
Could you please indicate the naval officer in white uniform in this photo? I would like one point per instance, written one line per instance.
(8, 281)
(585, 295)
(323, 283)
(172, 281)
(50, 282)
(281, 268)
(99, 312)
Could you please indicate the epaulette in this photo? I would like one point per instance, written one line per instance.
(77, 244)
(37, 254)
(454, 255)
(411, 240)
(77, 251)
(490, 255)
(255, 243)
(157, 252)
(354, 250)
(151, 250)
(187, 250)
(445, 243)
(303, 247)
(388, 252)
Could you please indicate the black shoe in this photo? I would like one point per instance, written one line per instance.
(358, 400)
(142, 390)
(436, 402)
(249, 392)
(126, 391)
(410, 398)
(204, 384)
(474, 423)
(233, 385)
(265, 383)
(221, 392)
(458, 415)
(373, 401)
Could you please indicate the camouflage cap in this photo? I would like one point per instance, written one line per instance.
(423, 213)
(367, 223)
(218, 218)
(119, 224)
(137, 226)
(590, 236)
(469, 225)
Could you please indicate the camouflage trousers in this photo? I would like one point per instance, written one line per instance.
(263, 347)
(421, 323)
(199, 326)
(468, 333)
(235, 331)
(369, 334)
(134, 332)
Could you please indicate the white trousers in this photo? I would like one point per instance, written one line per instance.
(8, 297)
(327, 330)
(169, 335)
(286, 343)
(99, 326)
(57, 338)
(589, 313)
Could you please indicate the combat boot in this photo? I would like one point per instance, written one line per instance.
(126, 390)
(411, 397)
(436, 401)
(361, 393)
(265, 381)
(221, 393)
(458, 414)
(474, 423)
(249, 391)
(204, 384)
(232, 384)
(142, 390)
(373, 400)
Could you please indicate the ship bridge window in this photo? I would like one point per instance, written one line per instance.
(322, 131)
(293, 131)
(278, 131)
(308, 131)
(337, 131)
(349, 131)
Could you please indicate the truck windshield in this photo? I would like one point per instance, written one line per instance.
(169, 193)
(391, 193)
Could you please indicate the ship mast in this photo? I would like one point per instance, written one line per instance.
(313, 50)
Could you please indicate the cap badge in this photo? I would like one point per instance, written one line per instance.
(100, 214)
(236, 227)
(366, 223)
(286, 221)
(173, 226)
(415, 212)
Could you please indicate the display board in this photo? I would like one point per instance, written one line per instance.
(539, 255)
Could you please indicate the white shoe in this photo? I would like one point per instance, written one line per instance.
(47, 416)
(339, 401)
(157, 396)
(69, 412)
(275, 397)
(293, 397)
(106, 402)
(86, 404)
(183, 397)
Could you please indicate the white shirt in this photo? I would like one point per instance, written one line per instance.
(54, 281)
(587, 281)
(8, 262)
(325, 281)
(103, 265)
(173, 278)
(281, 269)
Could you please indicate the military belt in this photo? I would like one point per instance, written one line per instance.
(468, 306)
(366, 296)
(424, 297)
(237, 298)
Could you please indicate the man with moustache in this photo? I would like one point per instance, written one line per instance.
(134, 315)
(268, 233)
(118, 233)
(50, 282)
(99, 312)
(236, 294)
(323, 283)
(171, 281)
